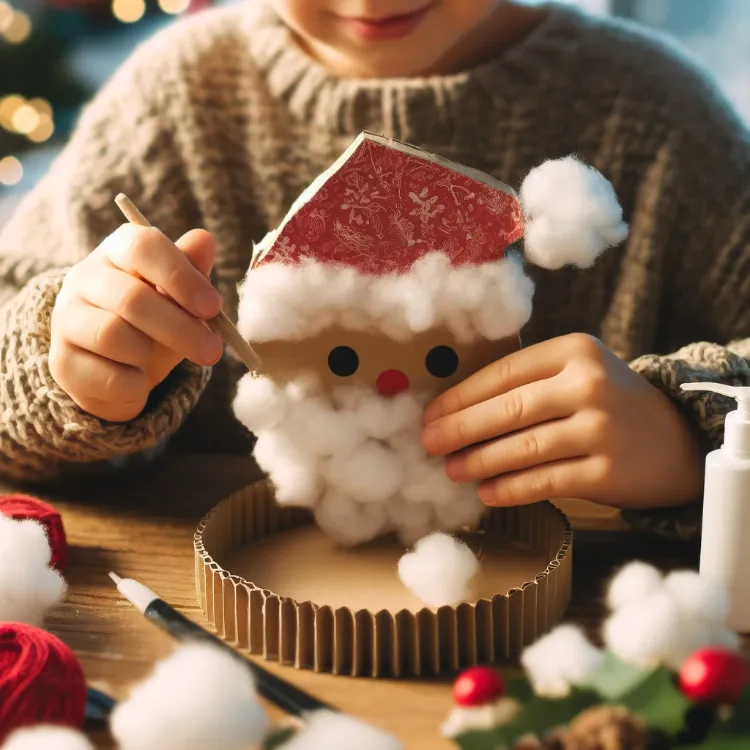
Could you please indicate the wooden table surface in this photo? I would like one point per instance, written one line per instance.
(143, 528)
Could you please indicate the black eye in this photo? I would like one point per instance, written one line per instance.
(441, 361)
(343, 361)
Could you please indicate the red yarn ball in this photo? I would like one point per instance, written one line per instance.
(41, 680)
(714, 676)
(478, 686)
(24, 506)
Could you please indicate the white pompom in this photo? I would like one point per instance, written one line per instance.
(644, 633)
(328, 730)
(28, 585)
(259, 404)
(198, 697)
(439, 571)
(572, 214)
(634, 582)
(562, 658)
(44, 737)
(698, 597)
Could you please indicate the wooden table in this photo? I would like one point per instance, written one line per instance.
(143, 528)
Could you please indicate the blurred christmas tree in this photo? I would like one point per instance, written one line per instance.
(42, 88)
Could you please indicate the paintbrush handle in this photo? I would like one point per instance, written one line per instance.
(282, 694)
(221, 325)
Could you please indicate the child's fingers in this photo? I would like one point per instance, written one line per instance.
(574, 477)
(153, 314)
(512, 371)
(542, 444)
(105, 333)
(150, 255)
(525, 406)
(538, 362)
(89, 377)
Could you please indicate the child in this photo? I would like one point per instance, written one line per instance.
(223, 120)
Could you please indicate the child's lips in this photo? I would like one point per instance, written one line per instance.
(387, 27)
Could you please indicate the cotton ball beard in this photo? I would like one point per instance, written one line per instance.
(28, 585)
(354, 458)
(198, 697)
(47, 738)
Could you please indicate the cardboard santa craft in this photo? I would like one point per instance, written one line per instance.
(393, 277)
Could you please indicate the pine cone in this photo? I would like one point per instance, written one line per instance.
(597, 728)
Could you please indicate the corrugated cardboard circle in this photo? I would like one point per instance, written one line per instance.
(285, 625)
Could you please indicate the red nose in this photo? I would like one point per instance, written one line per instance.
(391, 382)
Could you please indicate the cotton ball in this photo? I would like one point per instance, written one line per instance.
(634, 582)
(372, 473)
(413, 520)
(506, 300)
(198, 697)
(271, 303)
(572, 214)
(259, 404)
(329, 730)
(383, 418)
(693, 635)
(645, 632)
(47, 738)
(697, 596)
(28, 585)
(426, 482)
(318, 430)
(295, 477)
(464, 510)
(348, 521)
(439, 571)
(559, 660)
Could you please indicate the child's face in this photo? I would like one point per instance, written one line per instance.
(382, 38)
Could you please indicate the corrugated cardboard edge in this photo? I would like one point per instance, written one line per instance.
(377, 644)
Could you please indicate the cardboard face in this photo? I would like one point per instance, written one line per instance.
(430, 363)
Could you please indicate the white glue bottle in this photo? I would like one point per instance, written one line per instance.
(725, 542)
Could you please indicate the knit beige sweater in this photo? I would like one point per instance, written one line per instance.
(221, 122)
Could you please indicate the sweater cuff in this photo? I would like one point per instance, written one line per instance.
(700, 362)
(43, 433)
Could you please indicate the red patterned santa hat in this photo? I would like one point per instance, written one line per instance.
(397, 240)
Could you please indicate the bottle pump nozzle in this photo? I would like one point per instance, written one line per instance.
(737, 423)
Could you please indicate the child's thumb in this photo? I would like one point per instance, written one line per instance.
(199, 247)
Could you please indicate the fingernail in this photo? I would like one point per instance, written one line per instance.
(432, 413)
(208, 302)
(210, 343)
(430, 439)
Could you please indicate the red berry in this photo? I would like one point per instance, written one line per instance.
(714, 675)
(478, 686)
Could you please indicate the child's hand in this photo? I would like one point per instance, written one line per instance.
(565, 418)
(114, 336)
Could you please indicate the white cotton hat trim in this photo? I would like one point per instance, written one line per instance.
(281, 301)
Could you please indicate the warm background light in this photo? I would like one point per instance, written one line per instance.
(174, 7)
(18, 28)
(11, 171)
(128, 11)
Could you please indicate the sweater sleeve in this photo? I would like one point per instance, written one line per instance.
(122, 143)
(704, 208)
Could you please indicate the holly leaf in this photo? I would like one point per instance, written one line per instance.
(519, 686)
(539, 715)
(479, 740)
(657, 700)
(278, 738)
(615, 678)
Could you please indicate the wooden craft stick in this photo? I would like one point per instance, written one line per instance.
(221, 325)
